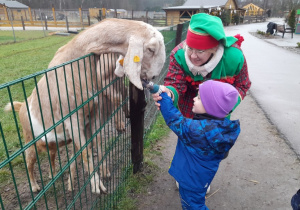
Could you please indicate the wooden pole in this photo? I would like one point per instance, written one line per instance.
(54, 16)
(178, 34)
(67, 23)
(137, 111)
(23, 25)
(30, 15)
(80, 14)
(6, 13)
(100, 15)
(46, 25)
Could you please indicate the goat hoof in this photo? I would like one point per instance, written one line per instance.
(35, 188)
(108, 175)
(121, 130)
(97, 191)
(104, 191)
(50, 176)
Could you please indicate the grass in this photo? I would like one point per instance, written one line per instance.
(137, 183)
(18, 60)
(8, 36)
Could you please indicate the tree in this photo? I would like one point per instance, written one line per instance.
(292, 19)
(225, 17)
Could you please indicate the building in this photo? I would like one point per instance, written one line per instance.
(253, 10)
(179, 14)
(13, 10)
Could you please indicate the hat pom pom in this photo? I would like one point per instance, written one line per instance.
(240, 39)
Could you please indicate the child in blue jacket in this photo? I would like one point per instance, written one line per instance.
(202, 141)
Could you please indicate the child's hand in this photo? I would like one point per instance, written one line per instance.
(156, 97)
(166, 90)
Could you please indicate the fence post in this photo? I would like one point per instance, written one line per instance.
(23, 23)
(80, 14)
(46, 25)
(116, 13)
(166, 20)
(89, 20)
(6, 13)
(30, 15)
(178, 34)
(67, 23)
(100, 15)
(54, 15)
(137, 110)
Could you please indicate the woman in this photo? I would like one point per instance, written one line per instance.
(206, 54)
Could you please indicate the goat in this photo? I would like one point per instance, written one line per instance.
(59, 92)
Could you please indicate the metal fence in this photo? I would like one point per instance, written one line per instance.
(77, 120)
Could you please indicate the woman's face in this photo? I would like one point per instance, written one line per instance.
(198, 57)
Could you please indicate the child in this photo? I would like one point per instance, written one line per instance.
(295, 202)
(202, 141)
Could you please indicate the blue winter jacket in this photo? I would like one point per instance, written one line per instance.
(201, 146)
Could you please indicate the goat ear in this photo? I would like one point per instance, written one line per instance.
(133, 61)
(119, 71)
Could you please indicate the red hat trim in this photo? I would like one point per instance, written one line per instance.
(200, 41)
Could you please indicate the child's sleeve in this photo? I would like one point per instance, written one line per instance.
(173, 117)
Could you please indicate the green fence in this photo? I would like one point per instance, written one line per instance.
(72, 129)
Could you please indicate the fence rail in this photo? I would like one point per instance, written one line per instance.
(52, 119)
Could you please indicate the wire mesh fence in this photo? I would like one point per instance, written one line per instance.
(75, 114)
(66, 135)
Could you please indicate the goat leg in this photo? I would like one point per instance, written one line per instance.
(71, 176)
(52, 163)
(31, 159)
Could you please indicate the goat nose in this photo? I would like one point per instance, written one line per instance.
(153, 77)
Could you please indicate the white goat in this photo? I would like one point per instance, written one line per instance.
(59, 92)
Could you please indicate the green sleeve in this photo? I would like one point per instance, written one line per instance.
(174, 91)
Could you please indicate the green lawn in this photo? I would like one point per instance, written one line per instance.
(18, 60)
(7, 36)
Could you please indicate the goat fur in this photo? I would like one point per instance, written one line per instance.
(142, 48)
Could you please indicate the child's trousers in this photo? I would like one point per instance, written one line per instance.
(192, 200)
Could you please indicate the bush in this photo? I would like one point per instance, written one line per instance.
(236, 18)
(292, 19)
(261, 32)
(298, 44)
(225, 17)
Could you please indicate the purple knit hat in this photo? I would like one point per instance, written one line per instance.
(218, 98)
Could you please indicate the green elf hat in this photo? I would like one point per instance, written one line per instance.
(206, 31)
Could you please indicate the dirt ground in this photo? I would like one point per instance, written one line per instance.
(261, 171)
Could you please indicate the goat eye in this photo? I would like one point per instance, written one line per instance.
(151, 50)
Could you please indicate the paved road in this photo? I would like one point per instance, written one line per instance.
(275, 76)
